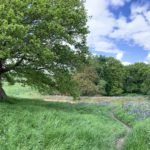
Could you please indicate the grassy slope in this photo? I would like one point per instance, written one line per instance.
(38, 125)
(31, 124)
(20, 91)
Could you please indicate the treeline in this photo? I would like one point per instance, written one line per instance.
(107, 76)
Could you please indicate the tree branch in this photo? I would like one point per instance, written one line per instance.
(4, 70)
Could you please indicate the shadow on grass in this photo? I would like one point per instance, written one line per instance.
(36, 104)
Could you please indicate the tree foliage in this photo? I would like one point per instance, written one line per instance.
(137, 78)
(102, 87)
(87, 79)
(111, 71)
(42, 42)
(113, 78)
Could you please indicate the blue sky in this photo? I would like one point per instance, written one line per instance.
(120, 28)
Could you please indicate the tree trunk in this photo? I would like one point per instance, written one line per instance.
(2, 94)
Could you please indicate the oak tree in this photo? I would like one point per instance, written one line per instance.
(41, 42)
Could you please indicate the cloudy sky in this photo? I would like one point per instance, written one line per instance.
(120, 28)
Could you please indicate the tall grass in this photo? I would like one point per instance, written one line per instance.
(39, 125)
(139, 138)
(137, 115)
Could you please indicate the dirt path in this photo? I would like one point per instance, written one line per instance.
(121, 140)
(66, 99)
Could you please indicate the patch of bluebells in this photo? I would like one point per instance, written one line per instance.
(104, 103)
(140, 110)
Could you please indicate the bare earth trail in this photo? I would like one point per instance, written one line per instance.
(120, 142)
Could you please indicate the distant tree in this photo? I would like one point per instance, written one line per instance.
(99, 63)
(111, 71)
(42, 42)
(136, 78)
(114, 75)
(87, 80)
(145, 87)
(102, 87)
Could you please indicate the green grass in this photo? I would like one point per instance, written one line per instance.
(28, 124)
(139, 138)
(38, 125)
(20, 91)
(122, 115)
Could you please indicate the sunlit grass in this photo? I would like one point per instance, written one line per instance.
(38, 125)
(20, 91)
(139, 138)
(137, 116)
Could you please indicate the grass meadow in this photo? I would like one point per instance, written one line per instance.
(32, 124)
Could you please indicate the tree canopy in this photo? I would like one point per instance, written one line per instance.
(112, 72)
(113, 78)
(137, 78)
(42, 42)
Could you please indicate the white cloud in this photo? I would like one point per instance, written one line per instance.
(137, 30)
(138, 9)
(147, 15)
(106, 46)
(101, 24)
(118, 2)
(102, 21)
(147, 59)
(119, 56)
(127, 30)
(125, 63)
(142, 39)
